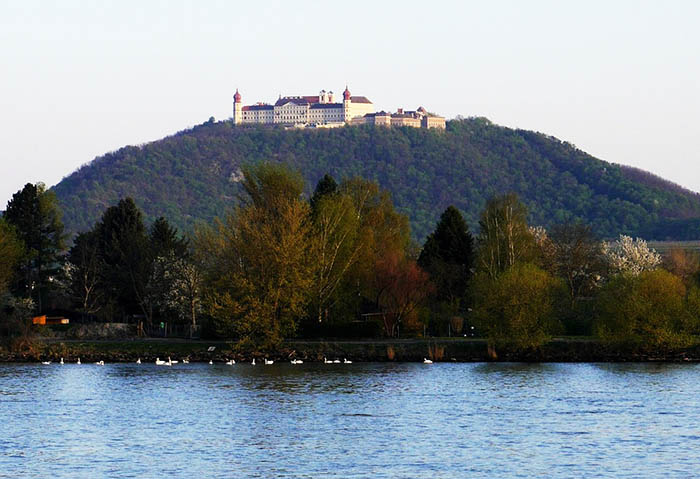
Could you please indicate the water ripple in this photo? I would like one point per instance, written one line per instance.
(360, 420)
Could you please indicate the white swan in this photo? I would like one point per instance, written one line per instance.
(336, 361)
(61, 360)
(345, 361)
(78, 362)
(211, 362)
(185, 361)
(46, 363)
(327, 361)
(230, 362)
(427, 361)
(268, 361)
(138, 361)
(159, 362)
(100, 363)
(171, 361)
(253, 363)
(297, 361)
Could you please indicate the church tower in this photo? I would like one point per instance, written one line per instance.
(346, 104)
(237, 108)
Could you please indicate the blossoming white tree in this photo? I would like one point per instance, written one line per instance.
(630, 256)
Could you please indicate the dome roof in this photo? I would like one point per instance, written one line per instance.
(237, 96)
(346, 93)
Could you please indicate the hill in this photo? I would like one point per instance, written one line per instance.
(193, 175)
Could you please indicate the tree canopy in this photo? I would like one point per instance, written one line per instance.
(195, 175)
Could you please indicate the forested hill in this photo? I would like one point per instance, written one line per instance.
(194, 175)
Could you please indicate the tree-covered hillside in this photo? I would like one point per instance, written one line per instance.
(194, 175)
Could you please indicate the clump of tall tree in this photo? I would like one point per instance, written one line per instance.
(649, 311)
(514, 298)
(448, 256)
(120, 270)
(258, 268)
(34, 214)
(279, 264)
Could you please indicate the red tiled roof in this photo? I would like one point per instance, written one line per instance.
(359, 99)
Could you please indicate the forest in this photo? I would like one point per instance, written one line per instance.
(340, 263)
(195, 175)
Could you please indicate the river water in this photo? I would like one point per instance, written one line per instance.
(380, 420)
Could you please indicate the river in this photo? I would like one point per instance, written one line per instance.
(364, 420)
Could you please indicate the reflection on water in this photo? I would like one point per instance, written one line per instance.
(360, 420)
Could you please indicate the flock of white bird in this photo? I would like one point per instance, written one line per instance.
(230, 362)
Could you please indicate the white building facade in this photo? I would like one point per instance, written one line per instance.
(317, 110)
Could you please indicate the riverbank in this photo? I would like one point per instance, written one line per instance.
(409, 350)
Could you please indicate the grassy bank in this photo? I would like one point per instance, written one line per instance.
(438, 349)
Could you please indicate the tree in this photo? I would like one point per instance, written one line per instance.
(11, 251)
(182, 291)
(448, 256)
(401, 286)
(164, 239)
(169, 253)
(577, 259)
(264, 285)
(646, 311)
(85, 271)
(270, 186)
(325, 187)
(628, 256)
(336, 247)
(505, 238)
(127, 258)
(16, 320)
(683, 263)
(36, 217)
(516, 309)
(382, 230)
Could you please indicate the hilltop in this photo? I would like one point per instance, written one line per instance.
(194, 176)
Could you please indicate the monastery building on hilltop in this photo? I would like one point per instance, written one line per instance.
(322, 111)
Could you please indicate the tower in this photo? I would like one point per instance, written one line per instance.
(237, 108)
(346, 104)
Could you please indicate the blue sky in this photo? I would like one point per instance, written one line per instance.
(621, 80)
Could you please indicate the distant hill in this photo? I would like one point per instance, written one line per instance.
(193, 175)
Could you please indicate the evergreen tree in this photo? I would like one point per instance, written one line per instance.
(326, 186)
(448, 256)
(36, 217)
(164, 239)
(126, 255)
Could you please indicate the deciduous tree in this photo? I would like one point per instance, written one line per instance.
(628, 256)
(401, 287)
(515, 310)
(265, 285)
(505, 238)
(86, 271)
(645, 311)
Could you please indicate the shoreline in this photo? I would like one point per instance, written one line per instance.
(559, 350)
